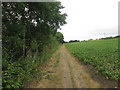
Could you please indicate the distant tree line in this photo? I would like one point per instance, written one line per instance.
(110, 37)
(71, 41)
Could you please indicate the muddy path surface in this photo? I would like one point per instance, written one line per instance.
(65, 71)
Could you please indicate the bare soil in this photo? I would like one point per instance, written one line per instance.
(65, 71)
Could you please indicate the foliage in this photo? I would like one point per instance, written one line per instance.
(28, 31)
(74, 41)
(102, 54)
(59, 37)
(18, 73)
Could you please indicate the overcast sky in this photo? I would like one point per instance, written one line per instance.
(90, 19)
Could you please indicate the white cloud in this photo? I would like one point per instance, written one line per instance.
(90, 18)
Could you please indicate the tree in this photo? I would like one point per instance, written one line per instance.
(60, 37)
(19, 29)
(27, 27)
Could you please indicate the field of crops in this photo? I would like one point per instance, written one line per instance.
(102, 54)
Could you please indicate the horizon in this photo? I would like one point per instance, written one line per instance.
(95, 38)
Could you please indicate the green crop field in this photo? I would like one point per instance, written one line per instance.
(102, 54)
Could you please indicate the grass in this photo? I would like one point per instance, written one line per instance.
(57, 60)
(18, 74)
(102, 54)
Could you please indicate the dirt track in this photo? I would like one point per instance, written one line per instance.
(75, 76)
(64, 71)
